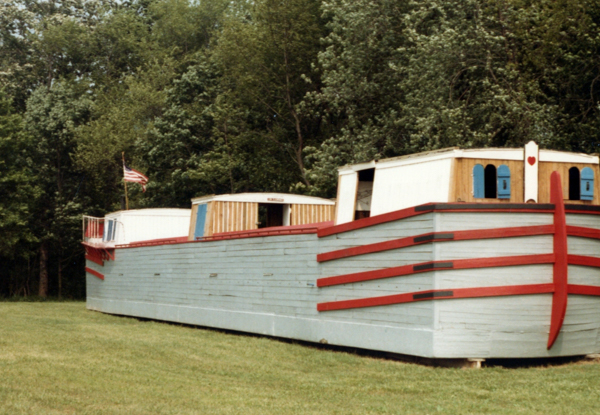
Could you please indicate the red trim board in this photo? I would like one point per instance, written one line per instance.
(583, 232)
(560, 272)
(588, 261)
(434, 207)
(435, 266)
(583, 289)
(94, 259)
(436, 237)
(94, 273)
(438, 295)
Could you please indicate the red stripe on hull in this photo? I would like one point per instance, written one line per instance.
(437, 237)
(583, 289)
(588, 261)
(456, 264)
(434, 207)
(95, 260)
(94, 273)
(479, 292)
(583, 232)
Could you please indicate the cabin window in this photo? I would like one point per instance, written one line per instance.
(503, 182)
(364, 194)
(587, 184)
(491, 189)
(200, 221)
(111, 228)
(574, 184)
(489, 183)
(269, 215)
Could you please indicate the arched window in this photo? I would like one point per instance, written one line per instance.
(503, 182)
(587, 184)
(491, 190)
(574, 184)
(490, 183)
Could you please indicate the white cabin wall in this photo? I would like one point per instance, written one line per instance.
(404, 186)
(346, 198)
(147, 224)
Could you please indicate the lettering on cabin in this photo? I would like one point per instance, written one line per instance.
(274, 199)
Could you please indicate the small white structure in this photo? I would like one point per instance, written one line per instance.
(127, 226)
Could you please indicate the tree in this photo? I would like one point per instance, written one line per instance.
(265, 57)
(52, 119)
(17, 183)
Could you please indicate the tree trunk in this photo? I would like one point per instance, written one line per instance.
(43, 291)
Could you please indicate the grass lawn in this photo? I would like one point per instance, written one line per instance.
(59, 358)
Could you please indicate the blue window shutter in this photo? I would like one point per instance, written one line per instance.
(478, 182)
(503, 182)
(587, 184)
(200, 221)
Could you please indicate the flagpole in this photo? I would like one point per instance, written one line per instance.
(125, 183)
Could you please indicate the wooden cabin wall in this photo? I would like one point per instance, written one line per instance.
(193, 219)
(546, 169)
(230, 217)
(305, 214)
(462, 191)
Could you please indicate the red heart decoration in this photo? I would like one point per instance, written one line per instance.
(531, 160)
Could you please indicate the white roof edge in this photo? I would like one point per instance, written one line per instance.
(148, 211)
(285, 198)
(357, 167)
(566, 157)
(494, 153)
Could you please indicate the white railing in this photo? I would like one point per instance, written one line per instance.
(93, 229)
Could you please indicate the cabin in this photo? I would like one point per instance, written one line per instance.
(248, 211)
(492, 175)
(129, 226)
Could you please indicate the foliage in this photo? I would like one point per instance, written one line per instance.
(230, 96)
(18, 188)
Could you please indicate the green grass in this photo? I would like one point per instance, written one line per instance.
(59, 358)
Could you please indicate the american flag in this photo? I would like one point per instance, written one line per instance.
(130, 175)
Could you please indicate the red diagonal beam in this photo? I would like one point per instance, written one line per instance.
(436, 237)
(94, 273)
(583, 289)
(500, 291)
(583, 232)
(437, 266)
(588, 261)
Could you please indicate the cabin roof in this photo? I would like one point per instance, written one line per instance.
(150, 212)
(479, 153)
(265, 198)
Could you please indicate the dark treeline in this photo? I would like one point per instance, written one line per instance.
(219, 96)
